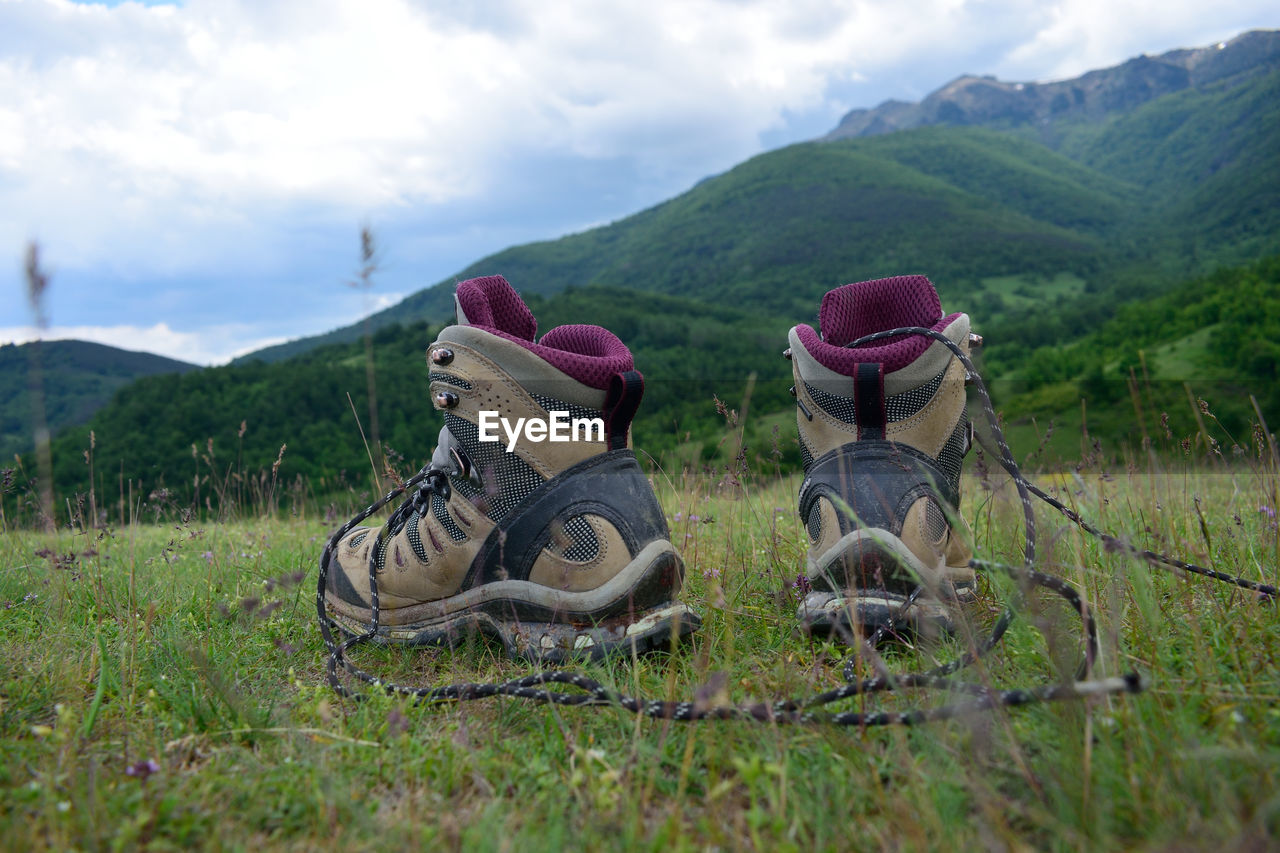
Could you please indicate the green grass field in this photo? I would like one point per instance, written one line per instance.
(162, 686)
(998, 296)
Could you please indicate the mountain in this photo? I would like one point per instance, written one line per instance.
(77, 379)
(1084, 248)
(1161, 370)
(1092, 97)
(216, 433)
(781, 228)
(1139, 186)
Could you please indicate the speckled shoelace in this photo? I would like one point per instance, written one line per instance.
(976, 698)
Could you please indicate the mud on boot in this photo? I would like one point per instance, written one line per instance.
(883, 434)
(558, 548)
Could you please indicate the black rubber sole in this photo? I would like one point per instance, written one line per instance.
(863, 586)
(858, 615)
(661, 628)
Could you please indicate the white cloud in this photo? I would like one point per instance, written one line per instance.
(217, 106)
(204, 145)
(385, 102)
(208, 346)
(1081, 35)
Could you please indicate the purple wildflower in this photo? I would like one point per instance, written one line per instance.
(142, 769)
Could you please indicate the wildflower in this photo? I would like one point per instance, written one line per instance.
(678, 516)
(711, 573)
(1269, 512)
(802, 584)
(142, 769)
(397, 723)
(208, 557)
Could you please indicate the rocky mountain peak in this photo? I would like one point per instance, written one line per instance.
(985, 100)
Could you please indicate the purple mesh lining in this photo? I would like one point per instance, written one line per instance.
(859, 309)
(589, 354)
(491, 303)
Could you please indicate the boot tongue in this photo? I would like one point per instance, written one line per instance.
(491, 303)
(859, 309)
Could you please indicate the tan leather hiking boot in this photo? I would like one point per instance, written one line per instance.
(883, 434)
(535, 523)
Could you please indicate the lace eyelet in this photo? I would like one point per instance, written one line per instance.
(441, 355)
(445, 399)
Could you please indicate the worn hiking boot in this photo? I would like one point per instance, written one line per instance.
(883, 434)
(535, 523)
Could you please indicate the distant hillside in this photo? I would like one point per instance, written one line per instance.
(1210, 158)
(78, 379)
(1092, 97)
(1095, 207)
(780, 229)
(1143, 371)
(165, 431)
(219, 430)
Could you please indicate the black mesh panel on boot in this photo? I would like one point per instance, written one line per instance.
(449, 379)
(505, 478)
(440, 509)
(551, 404)
(899, 407)
(585, 545)
(814, 523)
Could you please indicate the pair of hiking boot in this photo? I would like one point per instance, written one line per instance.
(560, 549)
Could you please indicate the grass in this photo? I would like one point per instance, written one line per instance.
(999, 296)
(162, 686)
(1186, 359)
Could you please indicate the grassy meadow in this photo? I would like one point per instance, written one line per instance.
(162, 686)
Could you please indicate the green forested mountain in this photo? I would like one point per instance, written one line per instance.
(780, 229)
(1091, 209)
(1213, 338)
(76, 379)
(222, 423)
(225, 424)
(1209, 158)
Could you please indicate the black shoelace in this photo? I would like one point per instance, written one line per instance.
(433, 480)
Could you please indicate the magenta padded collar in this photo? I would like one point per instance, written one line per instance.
(590, 354)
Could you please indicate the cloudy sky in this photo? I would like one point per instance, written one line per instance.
(196, 173)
